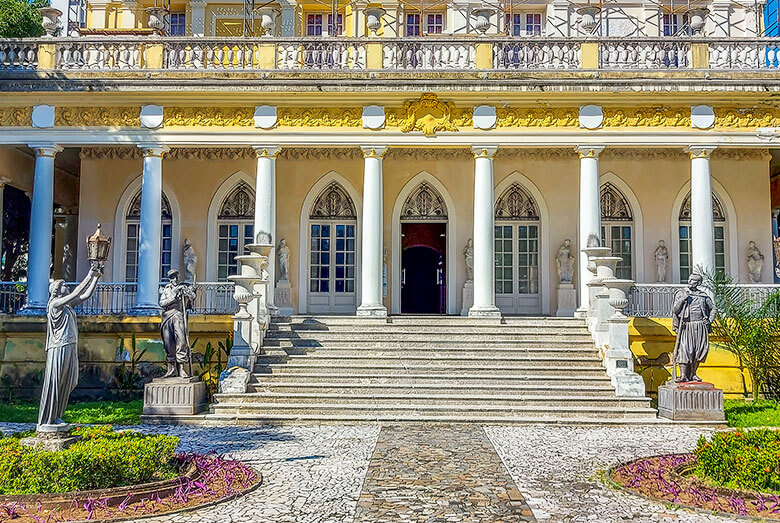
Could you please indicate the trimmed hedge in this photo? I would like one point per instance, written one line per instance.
(101, 459)
(742, 460)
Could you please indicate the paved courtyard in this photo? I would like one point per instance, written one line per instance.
(434, 473)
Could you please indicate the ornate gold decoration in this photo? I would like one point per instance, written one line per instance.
(374, 152)
(537, 117)
(747, 117)
(320, 116)
(209, 116)
(179, 153)
(428, 115)
(647, 117)
(321, 153)
(742, 154)
(15, 116)
(267, 151)
(97, 116)
(433, 154)
(110, 153)
(646, 153)
(535, 154)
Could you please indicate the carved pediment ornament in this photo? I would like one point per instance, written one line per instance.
(15, 116)
(97, 116)
(428, 115)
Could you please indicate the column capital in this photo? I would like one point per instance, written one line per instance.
(45, 149)
(155, 150)
(266, 151)
(589, 151)
(4, 181)
(700, 151)
(373, 151)
(484, 151)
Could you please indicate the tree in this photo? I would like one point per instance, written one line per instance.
(20, 18)
(748, 327)
(16, 233)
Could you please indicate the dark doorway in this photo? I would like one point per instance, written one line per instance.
(423, 268)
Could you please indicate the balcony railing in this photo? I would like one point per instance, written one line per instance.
(120, 298)
(104, 53)
(655, 300)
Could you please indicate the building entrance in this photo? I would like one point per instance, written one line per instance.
(423, 263)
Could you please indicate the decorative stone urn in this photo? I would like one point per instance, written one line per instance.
(618, 293)
(268, 21)
(483, 20)
(595, 252)
(51, 20)
(374, 19)
(156, 18)
(698, 17)
(588, 16)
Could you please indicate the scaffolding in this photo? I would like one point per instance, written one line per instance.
(77, 17)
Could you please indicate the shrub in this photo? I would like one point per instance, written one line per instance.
(101, 459)
(743, 460)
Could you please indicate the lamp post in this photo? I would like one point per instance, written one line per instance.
(98, 246)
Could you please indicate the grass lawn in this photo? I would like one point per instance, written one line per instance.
(114, 412)
(762, 413)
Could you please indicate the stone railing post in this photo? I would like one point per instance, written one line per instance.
(483, 55)
(601, 310)
(260, 259)
(618, 357)
(153, 55)
(589, 52)
(593, 252)
(47, 56)
(700, 55)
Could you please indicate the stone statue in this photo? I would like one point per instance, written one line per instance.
(564, 259)
(468, 258)
(661, 256)
(62, 360)
(283, 252)
(175, 299)
(755, 261)
(693, 312)
(189, 260)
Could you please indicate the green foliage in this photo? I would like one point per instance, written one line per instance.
(748, 328)
(743, 460)
(214, 362)
(761, 413)
(127, 377)
(117, 412)
(101, 459)
(20, 18)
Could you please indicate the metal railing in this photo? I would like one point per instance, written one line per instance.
(114, 298)
(655, 300)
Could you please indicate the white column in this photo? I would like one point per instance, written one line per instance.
(3, 183)
(372, 226)
(702, 227)
(265, 211)
(41, 222)
(590, 216)
(484, 234)
(150, 231)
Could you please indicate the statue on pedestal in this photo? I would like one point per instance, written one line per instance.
(693, 312)
(189, 259)
(661, 256)
(283, 252)
(564, 260)
(175, 299)
(468, 258)
(755, 261)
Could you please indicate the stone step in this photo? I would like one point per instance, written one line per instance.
(562, 353)
(429, 342)
(430, 320)
(486, 358)
(238, 401)
(411, 338)
(382, 410)
(453, 371)
(443, 330)
(345, 386)
(370, 376)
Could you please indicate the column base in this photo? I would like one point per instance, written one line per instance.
(32, 310)
(145, 310)
(485, 312)
(372, 311)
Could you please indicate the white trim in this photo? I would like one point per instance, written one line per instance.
(212, 242)
(732, 249)
(638, 249)
(119, 252)
(303, 236)
(544, 238)
(395, 243)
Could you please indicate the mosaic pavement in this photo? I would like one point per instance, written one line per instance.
(433, 473)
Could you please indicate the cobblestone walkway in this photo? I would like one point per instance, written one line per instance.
(441, 474)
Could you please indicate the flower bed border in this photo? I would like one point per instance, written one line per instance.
(676, 473)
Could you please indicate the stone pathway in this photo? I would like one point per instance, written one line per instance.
(438, 473)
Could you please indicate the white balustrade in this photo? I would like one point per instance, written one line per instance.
(428, 54)
(536, 54)
(745, 54)
(200, 53)
(321, 54)
(88, 53)
(644, 54)
(18, 54)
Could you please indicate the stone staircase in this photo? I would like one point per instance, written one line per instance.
(447, 369)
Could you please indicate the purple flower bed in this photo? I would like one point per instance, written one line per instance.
(216, 478)
(666, 478)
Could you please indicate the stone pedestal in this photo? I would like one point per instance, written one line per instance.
(234, 380)
(51, 438)
(468, 297)
(174, 397)
(567, 299)
(283, 298)
(694, 401)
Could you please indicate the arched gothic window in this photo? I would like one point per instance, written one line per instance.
(424, 203)
(132, 237)
(235, 228)
(332, 252)
(617, 224)
(684, 223)
(517, 233)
